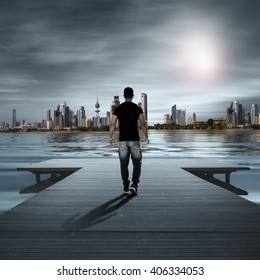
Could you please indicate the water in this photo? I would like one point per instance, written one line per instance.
(240, 147)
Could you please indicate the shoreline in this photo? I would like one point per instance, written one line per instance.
(20, 130)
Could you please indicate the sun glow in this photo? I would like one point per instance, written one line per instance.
(199, 57)
(205, 62)
(202, 58)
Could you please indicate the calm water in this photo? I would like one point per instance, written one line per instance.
(234, 146)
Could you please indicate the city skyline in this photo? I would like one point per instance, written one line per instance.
(197, 54)
(233, 114)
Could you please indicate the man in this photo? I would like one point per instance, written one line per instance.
(128, 114)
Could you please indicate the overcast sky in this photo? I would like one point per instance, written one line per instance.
(198, 54)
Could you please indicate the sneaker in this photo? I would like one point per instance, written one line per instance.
(134, 189)
(126, 190)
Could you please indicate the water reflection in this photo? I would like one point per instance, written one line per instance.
(172, 143)
(206, 143)
(187, 143)
(62, 137)
(79, 144)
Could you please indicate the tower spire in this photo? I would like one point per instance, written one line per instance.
(97, 106)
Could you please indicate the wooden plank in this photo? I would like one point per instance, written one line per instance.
(175, 216)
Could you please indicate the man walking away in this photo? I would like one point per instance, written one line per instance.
(128, 114)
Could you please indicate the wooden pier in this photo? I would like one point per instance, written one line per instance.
(176, 214)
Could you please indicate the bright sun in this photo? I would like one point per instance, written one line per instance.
(203, 60)
(200, 57)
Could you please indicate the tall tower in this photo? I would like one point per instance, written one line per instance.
(174, 116)
(237, 110)
(14, 123)
(81, 116)
(194, 117)
(144, 105)
(254, 113)
(97, 119)
(181, 117)
(49, 115)
(230, 115)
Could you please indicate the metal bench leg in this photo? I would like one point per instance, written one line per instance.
(227, 177)
(38, 177)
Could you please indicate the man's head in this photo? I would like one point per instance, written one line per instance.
(128, 93)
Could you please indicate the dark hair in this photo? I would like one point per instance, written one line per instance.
(128, 92)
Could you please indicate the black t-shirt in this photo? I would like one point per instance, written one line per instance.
(128, 114)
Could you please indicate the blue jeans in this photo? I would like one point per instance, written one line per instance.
(127, 149)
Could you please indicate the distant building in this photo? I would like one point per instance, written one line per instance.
(81, 117)
(74, 121)
(254, 114)
(44, 124)
(103, 121)
(194, 117)
(108, 118)
(174, 114)
(167, 119)
(49, 121)
(181, 117)
(49, 115)
(89, 123)
(66, 115)
(246, 118)
(62, 116)
(192, 120)
(96, 120)
(14, 121)
(56, 118)
(115, 102)
(235, 113)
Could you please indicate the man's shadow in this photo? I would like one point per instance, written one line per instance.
(97, 215)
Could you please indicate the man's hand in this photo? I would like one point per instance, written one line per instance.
(111, 140)
(112, 129)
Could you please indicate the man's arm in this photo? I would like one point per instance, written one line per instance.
(112, 128)
(144, 127)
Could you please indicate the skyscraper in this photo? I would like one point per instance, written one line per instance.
(237, 107)
(230, 115)
(62, 116)
(167, 119)
(57, 117)
(174, 113)
(49, 115)
(66, 115)
(14, 122)
(144, 105)
(181, 117)
(235, 113)
(194, 117)
(81, 116)
(254, 113)
(49, 122)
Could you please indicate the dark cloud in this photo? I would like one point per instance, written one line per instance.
(63, 49)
